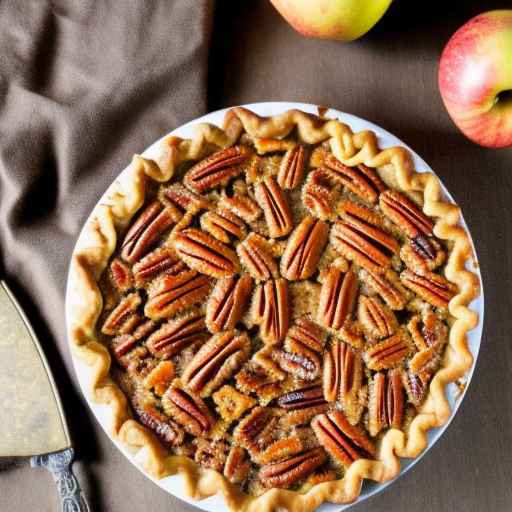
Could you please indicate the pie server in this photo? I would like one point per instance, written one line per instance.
(32, 422)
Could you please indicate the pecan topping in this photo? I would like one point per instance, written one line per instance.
(280, 449)
(416, 387)
(121, 318)
(386, 403)
(318, 195)
(216, 362)
(376, 318)
(307, 333)
(217, 169)
(171, 294)
(211, 454)
(120, 275)
(363, 181)
(388, 353)
(126, 342)
(145, 231)
(255, 254)
(257, 430)
(303, 398)
(155, 263)
(177, 334)
(223, 225)
(405, 214)
(433, 288)
(345, 442)
(253, 378)
(285, 473)
(337, 298)
(388, 286)
(205, 254)
(166, 430)
(422, 254)
(180, 199)
(237, 465)
(369, 248)
(270, 310)
(291, 168)
(227, 302)
(188, 410)
(304, 248)
(243, 206)
(231, 404)
(298, 360)
(275, 207)
(427, 331)
(343, 378)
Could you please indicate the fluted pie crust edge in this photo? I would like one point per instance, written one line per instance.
(97, 243)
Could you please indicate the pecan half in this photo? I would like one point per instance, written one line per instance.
(126, 342)
(298, 360)
(303, 398)
(431, 287)
(155, 263)
(121, 318)
(285, 473)
(343, 441)
(205, 254)
(188, 410)
(291, 168)
(318, 194)
(166, 430)
(361, 180)
(177, 334)
(343, 378)
(275, 207)
(376, 318)
(405, 214)
(217, 169)
(216, 362)
(171, 294)
(145, 231)
(120, 275)
(280, 449)
(211, 454)
(427, 331)
(179, 199)
(223, 225)
(388, 286)
(303, 249)
(386, 402)
(270, 310)
(257, 430)
(237, 465)
(242, 205)
(253, 378)
(337, 298)
(369, 248)
(422, 254)
(255, 254)
(307, 333)
(416, 386)
(227, 302)
(388, 353)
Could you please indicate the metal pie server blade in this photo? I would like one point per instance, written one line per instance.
(32, 422)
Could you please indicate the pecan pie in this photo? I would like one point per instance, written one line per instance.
(272, 302)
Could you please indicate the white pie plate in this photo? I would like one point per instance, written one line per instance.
(173, 484)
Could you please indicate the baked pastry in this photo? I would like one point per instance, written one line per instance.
(273, 309)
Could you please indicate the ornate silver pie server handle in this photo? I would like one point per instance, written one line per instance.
(59, 464)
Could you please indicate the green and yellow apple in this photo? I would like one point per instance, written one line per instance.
(475, 78)
(344, 20)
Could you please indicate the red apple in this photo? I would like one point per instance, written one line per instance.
(475, 78)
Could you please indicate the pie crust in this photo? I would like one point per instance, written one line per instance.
(123, 199)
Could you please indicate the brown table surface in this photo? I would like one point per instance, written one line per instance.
(390, 78)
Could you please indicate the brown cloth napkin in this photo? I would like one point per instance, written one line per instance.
(84, 84)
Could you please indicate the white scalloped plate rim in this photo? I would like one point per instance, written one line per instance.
(173, 484)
